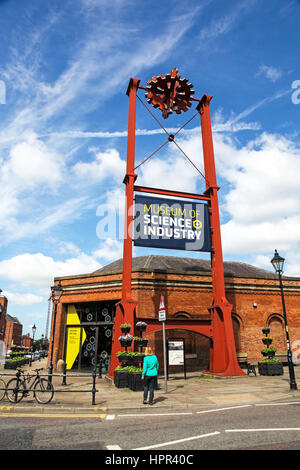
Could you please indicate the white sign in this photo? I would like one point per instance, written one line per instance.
(176, 353)
(162, 315)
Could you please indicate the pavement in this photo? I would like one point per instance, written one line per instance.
(196, 391)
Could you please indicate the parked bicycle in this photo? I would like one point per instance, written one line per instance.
(17, 388)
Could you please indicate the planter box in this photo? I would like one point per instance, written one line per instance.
(121, 379)
(124, 358)
(125, 343)
(141, 343)
(270, 368)
(138, 359)
(135, 382)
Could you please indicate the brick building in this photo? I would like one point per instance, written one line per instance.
(13, 332)
(85, 314)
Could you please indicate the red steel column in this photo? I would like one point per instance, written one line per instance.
(125, 309)
(223, 358)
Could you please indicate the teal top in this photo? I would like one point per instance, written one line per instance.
(150, 366)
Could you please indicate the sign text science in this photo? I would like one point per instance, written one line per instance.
(172, 224)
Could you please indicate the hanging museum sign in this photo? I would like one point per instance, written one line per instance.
(172, 224)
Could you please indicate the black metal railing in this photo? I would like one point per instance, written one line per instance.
(93, 390)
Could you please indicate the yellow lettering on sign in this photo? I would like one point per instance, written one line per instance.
(73, 339)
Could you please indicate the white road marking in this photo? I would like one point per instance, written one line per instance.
(153, 414)
(108, 417)
(178, 441)
(223, 409)
(278, 404)
(262, 430)
(113, 447)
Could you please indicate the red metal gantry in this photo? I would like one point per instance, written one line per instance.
(171, 93)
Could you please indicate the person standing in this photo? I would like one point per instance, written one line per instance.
(149, 374)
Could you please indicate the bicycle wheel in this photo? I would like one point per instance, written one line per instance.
(2, 389)
(14, 393)
(43, 391)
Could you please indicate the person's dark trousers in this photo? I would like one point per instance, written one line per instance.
(149, 384)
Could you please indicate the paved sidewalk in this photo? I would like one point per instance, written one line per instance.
(197, 391)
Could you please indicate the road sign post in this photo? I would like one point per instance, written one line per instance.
(162, 317)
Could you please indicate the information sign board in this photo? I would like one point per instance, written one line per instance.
(172, 224)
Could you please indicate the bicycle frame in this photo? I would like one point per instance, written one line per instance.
(22, 378)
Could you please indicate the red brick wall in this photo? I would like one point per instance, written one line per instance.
(13, 334)
(192, 294)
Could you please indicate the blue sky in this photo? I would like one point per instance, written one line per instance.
(64, 71)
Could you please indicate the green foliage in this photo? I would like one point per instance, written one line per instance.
(270, 360)
(268, 350)
(130, 354)
(129, 369)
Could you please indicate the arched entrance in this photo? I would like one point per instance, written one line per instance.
(197, 348)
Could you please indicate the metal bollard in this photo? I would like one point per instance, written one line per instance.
(94, 387)
(64, 375)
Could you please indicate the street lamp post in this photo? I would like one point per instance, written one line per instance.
(277, 262)
(33, 333)
(56, 295)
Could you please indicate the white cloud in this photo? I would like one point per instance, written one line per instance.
(223, 24)
(23, 299)
(270, 72)
(263, 200)
(39, 270)
(110, 250)
(104, 165)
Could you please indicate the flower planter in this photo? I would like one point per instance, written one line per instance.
(135, 381)
(125, 329)
(121, 378)
(124, 358)
(139, 358)
(125, 343)
(141, 326)
(267, 341)
(270, 368)
(141, 343)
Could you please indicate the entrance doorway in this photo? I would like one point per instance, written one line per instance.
(88, 336)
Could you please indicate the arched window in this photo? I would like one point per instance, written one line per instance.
(236, 324)
(182, 315)
(276, 324)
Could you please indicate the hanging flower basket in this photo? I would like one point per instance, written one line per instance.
(125, 328)
(140, 342)
(267, 340)
(141, 326)
(125, 341)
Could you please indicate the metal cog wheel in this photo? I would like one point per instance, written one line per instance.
(169, 93)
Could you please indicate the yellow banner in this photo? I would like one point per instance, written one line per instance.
(73, 339)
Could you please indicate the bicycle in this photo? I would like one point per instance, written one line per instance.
(16, 388)
(2, 389)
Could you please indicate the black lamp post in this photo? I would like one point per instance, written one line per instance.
(56, 295)
(33, 333)
(277, 263)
